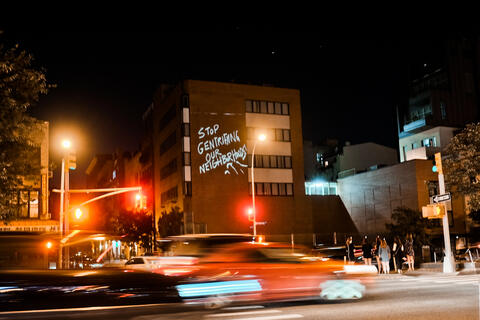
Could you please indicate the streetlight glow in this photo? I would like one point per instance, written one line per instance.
(262, 137)
(66, 144)
(78, 213)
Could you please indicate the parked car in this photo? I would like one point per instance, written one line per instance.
(242, 272)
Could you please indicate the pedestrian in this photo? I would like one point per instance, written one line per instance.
(385, 255)
(367, 251)
(350, 250)
(398, 253)
(377, 257)
(410, 253)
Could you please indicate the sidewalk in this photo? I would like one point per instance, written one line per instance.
(432, 268)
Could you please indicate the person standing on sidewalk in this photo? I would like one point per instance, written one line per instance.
(367, 251)
(350, 250)
(385, 255)
(378, 242)
(397, 254)
(410, 253)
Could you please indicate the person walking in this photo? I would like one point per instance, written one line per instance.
(367, 251)
(385, 255)
(378, 242)
(350, 250)
(397, 254)
(410, 252)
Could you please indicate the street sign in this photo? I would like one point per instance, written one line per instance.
(441, 198)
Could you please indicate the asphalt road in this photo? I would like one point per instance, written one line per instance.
(393, 297)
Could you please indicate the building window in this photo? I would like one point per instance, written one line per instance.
(170, 115)
(188, 188)
(168, 143)
(267, 107)
(168, 169)
(169, 195)
(185, 101)
(270, 161)
(443, 110)
(186, 159)
(186, 129)
(273, 189)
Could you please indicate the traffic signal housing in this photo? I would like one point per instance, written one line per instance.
(250, 214)
(433, 211)
(72, 160)
(438, 163)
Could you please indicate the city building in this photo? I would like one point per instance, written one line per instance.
(204, 134)
(32, 196)
(370, 197)
(443, 95)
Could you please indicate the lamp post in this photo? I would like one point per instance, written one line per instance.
(64, 186)
(261, 137)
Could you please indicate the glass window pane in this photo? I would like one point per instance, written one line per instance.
(258, 161)
(249, 160)
(256, 106)
(285, 109)
(248, 106)
(266, 161)
(186, 159)
(278, 134)
(267, 189)
(274, 189)
(271, 108)
(288, 162)
(289, 189)
(273, 161)
(278, 108)
(281, 189)
(286, 135)
(263, 106)
(34, 204)
(186, 129)
(281, 162)
(259, 187)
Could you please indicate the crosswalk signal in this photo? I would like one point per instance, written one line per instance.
(72, 160)
(433, 211)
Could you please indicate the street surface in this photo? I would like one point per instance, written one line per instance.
(394, 296)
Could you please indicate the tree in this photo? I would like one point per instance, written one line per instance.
(21, 85)
(134, 227)
(461, 167)
(407, 221)
(170, 224)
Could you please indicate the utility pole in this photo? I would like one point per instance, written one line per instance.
(448, 261)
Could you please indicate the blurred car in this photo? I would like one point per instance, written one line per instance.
(52, 289)
(242, 272)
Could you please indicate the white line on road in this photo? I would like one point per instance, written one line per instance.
(85, 308)
(282, 316)
(244, 307)
(240, 313)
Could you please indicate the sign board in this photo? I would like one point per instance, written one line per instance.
(442, 198)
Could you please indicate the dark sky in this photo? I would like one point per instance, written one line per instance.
(349, 81)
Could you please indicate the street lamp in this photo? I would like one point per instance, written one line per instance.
(64, 186)
(261, 137)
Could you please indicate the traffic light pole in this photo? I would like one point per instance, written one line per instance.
(448, 261)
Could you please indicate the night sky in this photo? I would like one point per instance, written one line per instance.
(350, 81)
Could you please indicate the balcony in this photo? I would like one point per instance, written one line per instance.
(423, 153)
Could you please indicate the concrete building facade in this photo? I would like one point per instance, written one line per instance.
(204, 134)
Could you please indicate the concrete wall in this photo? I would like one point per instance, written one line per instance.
(362, 156)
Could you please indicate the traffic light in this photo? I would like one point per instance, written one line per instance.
(250, 214)
(72, 160)
(140, 202)
(78, 213)
(438, 163)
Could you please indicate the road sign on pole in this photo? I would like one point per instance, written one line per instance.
(442, 197)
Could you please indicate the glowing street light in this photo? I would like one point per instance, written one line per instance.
(66, 144)
(78, 213)
(260, 138)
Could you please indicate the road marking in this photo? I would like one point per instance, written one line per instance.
(282, 316)
(85, 308)
(240, 313)
(243, 308)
